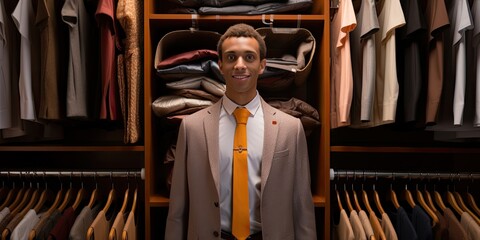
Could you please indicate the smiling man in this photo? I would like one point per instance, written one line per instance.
(241, 166)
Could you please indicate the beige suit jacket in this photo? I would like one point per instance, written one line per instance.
(286, 208)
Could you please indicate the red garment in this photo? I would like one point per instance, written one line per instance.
(63, 226)
(106, 21)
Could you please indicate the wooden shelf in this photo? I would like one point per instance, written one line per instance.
(159, 201)
(369, 149)
(54, 148)
(319, 201)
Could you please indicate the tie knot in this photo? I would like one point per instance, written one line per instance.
(241, 115)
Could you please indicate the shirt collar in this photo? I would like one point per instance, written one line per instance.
(252, 106)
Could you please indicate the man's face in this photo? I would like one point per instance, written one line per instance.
(241, 66)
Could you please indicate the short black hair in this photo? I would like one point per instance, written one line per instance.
(242, 30)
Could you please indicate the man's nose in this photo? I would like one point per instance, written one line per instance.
(240, 64)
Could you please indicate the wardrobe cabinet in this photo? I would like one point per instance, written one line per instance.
(94, 150)
(157, 24)
(409, 149)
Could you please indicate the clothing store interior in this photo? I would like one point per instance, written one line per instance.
(92, 94)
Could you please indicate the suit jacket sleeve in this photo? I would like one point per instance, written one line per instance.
(176, 227)
(304, 211)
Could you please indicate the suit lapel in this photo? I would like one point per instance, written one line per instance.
(270, 138)
(210, 123)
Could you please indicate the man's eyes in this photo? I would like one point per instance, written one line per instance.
(248, 57)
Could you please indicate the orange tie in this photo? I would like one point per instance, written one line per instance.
(240, 210)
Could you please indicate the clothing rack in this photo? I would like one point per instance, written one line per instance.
(361, 175)
(112, 174)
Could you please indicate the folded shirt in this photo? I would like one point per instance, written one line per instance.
(199, 82)
(221, 3)
(171, 104)
(195, 94)
(275, 82)
(266, 8)
(186, 57)
(200, 68)
(307, 114)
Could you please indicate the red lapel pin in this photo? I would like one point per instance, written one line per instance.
(274, 122)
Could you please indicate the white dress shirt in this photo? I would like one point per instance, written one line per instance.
(255, 132)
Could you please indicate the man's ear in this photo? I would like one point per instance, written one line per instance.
(263, 65)
(220, 65)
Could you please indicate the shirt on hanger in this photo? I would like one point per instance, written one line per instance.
(390, 18)
(388, 228)
(363, 67)
(341, 82)
(357, 226)
(455, 229)
(343, 230)
(367, 226)
(403, 225)
(470, 225)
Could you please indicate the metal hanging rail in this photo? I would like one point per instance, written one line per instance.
(360, 174)
(114, 174)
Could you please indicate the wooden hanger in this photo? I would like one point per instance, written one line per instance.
(23, 210)
(394, 199)
(347, 200)
(80, 196)
(4, 192)
(425, 207)
(10, 197)
(41, 200)
(453, 203)
(112, 234)
(25, 196)
(356, 201)
(94, 195)
(19, 197)
(376, 199)
(110, 200)
(56, 202)
(378, 231)
(123, 209)
(439, 201)
(134, 202)
(428, 199)
(132, 211)
(366, 202)
(31, 203)
(464, 207)
(408, 197)
(392, 195)
(66, 199)
(355, 198)
(338, 200)
(471, 200)
(472, 203)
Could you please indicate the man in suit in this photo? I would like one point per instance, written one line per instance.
(279, 194)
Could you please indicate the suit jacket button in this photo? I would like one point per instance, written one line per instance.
(216, 204)
(215, 234)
